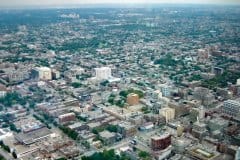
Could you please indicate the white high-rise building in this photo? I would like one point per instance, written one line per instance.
(237, 156)
(238, 82)
(165, 89)
(231, 107)
(44, 73)
(201, 113)
(103, 73)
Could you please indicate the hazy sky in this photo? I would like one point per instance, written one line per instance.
(64, 2)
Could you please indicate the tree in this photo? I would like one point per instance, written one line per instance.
(123, 93)
(13, 127)
(112, 128)
(5, 147)
(143, 154)
(71, 133)
(104, 83)
(14, 155)
(166, 61)
(120, 103)
(32, 104)
(111, 100)
(61, 158)
(86, 144)
(106, 155)
(11, 99)
(96, 130)
(2, 158)
(76, 84)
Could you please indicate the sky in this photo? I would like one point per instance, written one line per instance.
(15, 3)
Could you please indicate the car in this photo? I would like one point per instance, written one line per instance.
(134, 142)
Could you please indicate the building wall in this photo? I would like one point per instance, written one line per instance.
(103, 73)
(2, 93)
(44, 73)
(66, 118)
(168, 113)
(161, 143)
(231, 108)
(133, 99)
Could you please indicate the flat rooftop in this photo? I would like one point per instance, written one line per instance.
(31, 137)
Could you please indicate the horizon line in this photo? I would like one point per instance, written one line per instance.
(114, 5)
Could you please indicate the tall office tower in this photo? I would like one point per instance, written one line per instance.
(203, 55)
(238, 82)
(201, 114)
(103, 73)
(237, 156)
(168, 113)
(44, 73)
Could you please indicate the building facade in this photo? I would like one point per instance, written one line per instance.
(103, 73)
(160, 142)
(231, 108)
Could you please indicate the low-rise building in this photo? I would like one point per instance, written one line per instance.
(78, 126)
(32, 137)
(107, 137)
(127, 129)
(68, 117)
(5, 133)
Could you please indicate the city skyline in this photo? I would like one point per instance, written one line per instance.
(16, 3)
(119, 79)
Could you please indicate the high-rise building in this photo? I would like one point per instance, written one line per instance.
(201, 114)
(103, 73)
(55, 74)
(161, 142)
(165, 89)
(168, 113)
(203, 55)
(238, 82)
(199, 130)
(237, 156)
(44, 73)
(231, 108)
(180, 130)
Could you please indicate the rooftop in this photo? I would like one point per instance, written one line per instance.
(32, 137)
(106, 134)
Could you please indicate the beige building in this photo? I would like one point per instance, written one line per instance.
(133, 99)
(168, 113)
(180, 130)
